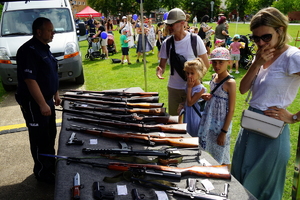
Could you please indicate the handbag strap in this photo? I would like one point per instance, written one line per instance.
(250, 91)
(218, 85)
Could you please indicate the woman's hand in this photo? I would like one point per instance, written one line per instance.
(280, 113)
(263, 55)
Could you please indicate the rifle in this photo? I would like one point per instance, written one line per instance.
(153, 111)
(117, 104)
(128, 152)
(119, 99)
(134, 117)
(174, 128)
(142, 138)
(116, 93)
(217, 171)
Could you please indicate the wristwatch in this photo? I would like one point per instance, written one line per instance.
(295, 118)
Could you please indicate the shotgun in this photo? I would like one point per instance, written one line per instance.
(174, 128)
(133, 118)
(120, 99)
(117, 104)
(149, 111)
(116, 93)
(141, 138)
(217, 171)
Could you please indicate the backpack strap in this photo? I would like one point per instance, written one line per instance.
(219, 84)
(194, 43)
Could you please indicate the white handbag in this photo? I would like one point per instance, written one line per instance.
(259, 123)
(262, 124)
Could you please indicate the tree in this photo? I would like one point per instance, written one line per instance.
(238, 5)
(170, 4)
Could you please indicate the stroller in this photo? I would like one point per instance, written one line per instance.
(111, 44)
(94, 49)
(246, 54)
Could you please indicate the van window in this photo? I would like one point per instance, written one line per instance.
(20, 22)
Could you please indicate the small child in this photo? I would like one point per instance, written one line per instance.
(219, 43)
(124, 45)
(235, 52)
(195, 71)
(215, 125)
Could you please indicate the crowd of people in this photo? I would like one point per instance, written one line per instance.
(258, 163)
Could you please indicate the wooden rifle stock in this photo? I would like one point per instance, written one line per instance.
(117, 104)
(154, 99)
(117, 93)
(134, 118)
(174, 128)
(218, 171)
(172, 141)
(150, 111)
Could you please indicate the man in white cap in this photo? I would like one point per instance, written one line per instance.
(182, 41)
(123, 24)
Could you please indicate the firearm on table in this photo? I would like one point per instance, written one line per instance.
(176, 191)
(172, 128)
(134, 117)
(100, 193)
(117, 104)
(116, 93)
(218, 171)
(146, 111)
(129, 152)
(141, 138)
(119, 99)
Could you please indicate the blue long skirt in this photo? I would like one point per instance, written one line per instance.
(259, 163)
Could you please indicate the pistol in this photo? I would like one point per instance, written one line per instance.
(100, 193)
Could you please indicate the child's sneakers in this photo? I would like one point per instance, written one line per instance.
(230, 71)
(237, 72)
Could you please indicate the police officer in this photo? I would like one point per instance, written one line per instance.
(37, 93)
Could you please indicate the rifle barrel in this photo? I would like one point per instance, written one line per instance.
(172, 141)
(119, 99)
(119, 93)
(174, 128)
(117, 104)
(219, 171)
(150, 111)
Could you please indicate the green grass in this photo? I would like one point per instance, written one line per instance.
(103, 75)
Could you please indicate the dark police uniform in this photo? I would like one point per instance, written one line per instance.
(35, 61)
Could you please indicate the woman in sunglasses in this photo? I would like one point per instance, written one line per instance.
(259, 162)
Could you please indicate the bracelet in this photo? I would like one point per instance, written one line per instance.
(224, 131)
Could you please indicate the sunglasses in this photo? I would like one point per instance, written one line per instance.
(265, 38)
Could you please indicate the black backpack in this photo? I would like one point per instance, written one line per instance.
(177, 61)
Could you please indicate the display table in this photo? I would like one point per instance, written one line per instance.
(88, 175)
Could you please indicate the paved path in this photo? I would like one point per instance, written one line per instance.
(16, 177)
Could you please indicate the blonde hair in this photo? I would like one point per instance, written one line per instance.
(198, 65)
(272, 17)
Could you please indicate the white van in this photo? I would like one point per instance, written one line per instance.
(15, 30)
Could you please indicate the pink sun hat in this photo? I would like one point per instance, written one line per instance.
(220, 53)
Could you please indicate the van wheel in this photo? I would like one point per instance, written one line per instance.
(80, 78)
(8, 88)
